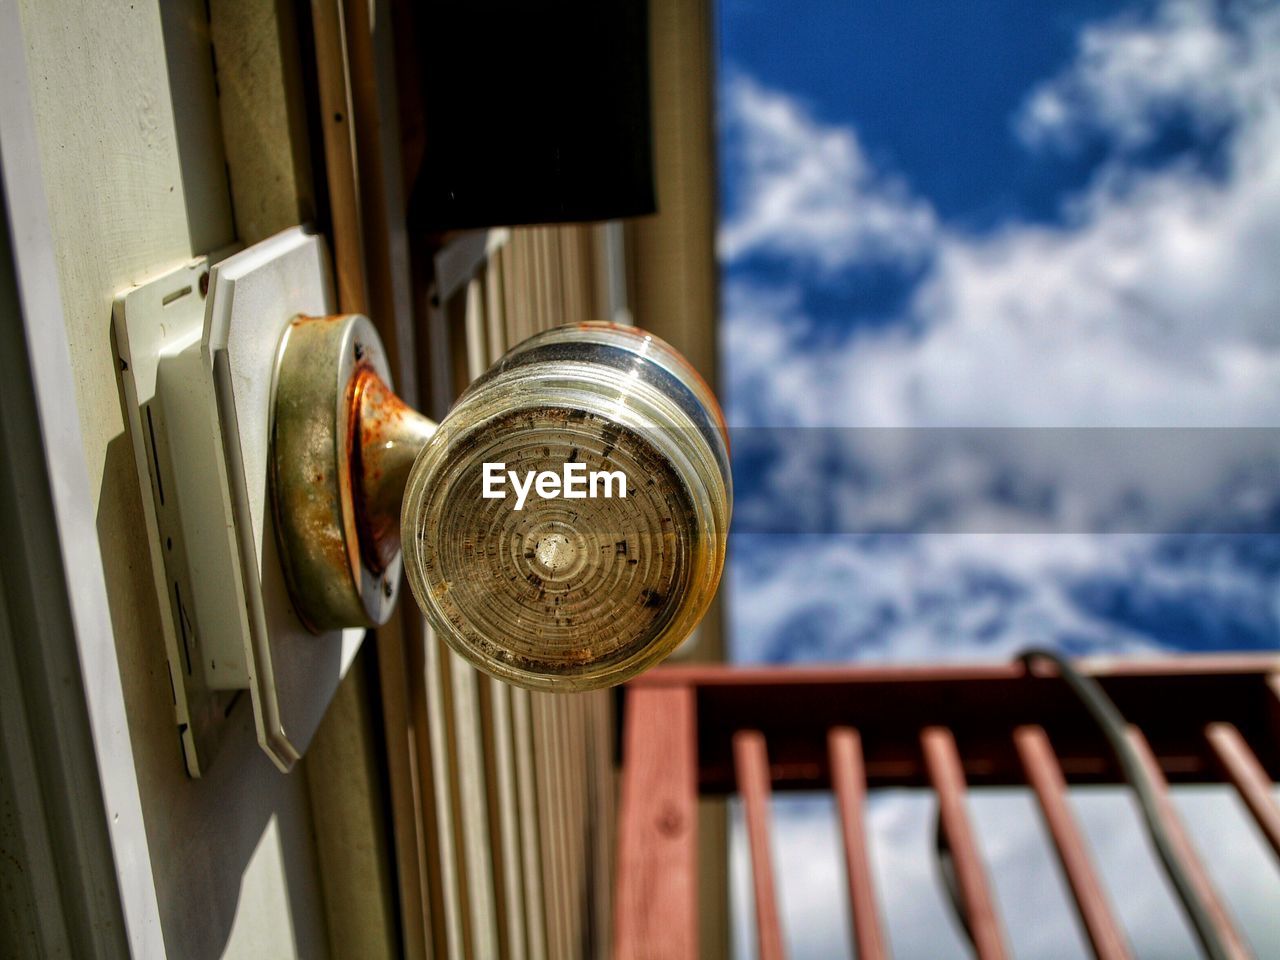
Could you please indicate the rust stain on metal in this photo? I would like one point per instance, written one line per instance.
(385, 436)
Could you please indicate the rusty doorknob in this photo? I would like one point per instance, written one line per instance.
(563, 528)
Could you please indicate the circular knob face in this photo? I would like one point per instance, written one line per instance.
(565, 527)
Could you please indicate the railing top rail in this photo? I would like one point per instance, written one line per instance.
(707, 675)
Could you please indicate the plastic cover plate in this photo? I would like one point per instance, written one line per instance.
(156, 323)
(253, 296)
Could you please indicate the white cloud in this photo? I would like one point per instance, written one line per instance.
(1154, 304)
(1156, 307)
(923, 598)
(1190, 61)
(808, 191)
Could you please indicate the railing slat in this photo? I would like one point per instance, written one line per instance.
(1046, 779)
(946, 773)
(751, 763)
(657, 904)
(1249, 778)
(1199, 878)
(849, 780)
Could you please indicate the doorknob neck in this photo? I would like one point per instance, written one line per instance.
(390, 434)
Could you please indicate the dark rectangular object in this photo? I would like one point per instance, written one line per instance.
(534, 112)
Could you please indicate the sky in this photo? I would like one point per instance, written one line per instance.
(1013, 224)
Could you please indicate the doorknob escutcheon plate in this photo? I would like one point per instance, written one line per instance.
(342, 444)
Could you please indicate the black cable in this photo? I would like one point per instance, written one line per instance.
(950, 882)
(1114, 727)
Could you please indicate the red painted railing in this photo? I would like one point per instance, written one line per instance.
(692, 731)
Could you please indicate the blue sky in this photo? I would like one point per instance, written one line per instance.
(1070, 221)
(1001, 214)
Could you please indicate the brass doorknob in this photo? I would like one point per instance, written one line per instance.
(563, 528)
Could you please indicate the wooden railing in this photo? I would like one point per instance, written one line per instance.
(698, 731)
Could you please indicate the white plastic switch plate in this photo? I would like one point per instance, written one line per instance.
(158, 330)
(196, 377)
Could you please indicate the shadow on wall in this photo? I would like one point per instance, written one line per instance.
(232, 854)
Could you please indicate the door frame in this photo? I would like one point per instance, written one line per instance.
(80, 863)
